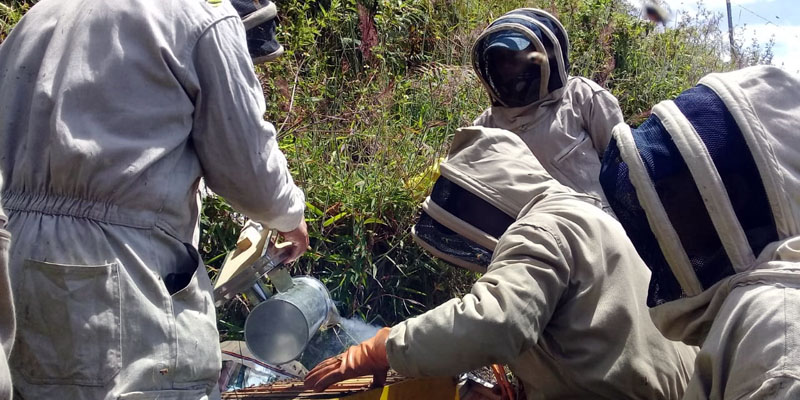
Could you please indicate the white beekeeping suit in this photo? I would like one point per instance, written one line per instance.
(707, 189)
(522, 59)
(563, 300)
(110, 113)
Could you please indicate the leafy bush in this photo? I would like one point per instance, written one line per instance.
(10, 14)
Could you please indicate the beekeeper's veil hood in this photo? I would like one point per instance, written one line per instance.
(522, 57)
(489, 176)
(708, 186)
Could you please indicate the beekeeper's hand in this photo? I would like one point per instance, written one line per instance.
(299, 239)
(367, 358)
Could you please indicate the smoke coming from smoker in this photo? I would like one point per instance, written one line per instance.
(357, 329)
(332, 341)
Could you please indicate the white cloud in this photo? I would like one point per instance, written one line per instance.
(676, 5)
(791, 64)
(787, 37)
(748, 1)
(692, 4)
(787, 43)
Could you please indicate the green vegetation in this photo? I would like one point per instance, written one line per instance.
(366, 99)
(10, 13)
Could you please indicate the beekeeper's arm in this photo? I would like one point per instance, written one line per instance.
(502, 316)
(600, 112)
(499, 320)
(237, 149)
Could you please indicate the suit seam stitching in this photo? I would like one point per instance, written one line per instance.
(555, 237)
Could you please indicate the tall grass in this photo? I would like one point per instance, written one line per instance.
(10, 14)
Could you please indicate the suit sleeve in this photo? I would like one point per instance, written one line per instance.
(237, 148)
(497, 321)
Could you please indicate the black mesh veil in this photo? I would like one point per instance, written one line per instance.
(622, 198)
(466, 211)
(680, 197)
(453, 248)
(523, 89)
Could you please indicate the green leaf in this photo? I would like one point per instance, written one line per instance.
(335, 218)
(374, 220)
(316, 211)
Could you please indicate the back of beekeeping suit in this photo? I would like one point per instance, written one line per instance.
(522, 59)
(7, 321)
(707, 189)
(110, 113)
(563, 299)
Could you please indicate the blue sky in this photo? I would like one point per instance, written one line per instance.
(760, 19)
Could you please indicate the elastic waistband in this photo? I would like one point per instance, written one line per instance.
(780, 276)
(55, 205)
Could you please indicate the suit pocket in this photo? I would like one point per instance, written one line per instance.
(69, 324)
(579, 166)
(198, 352)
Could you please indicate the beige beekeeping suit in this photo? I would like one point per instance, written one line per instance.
(568, 131)
(110, 113)
(563, 301)
(569, 126)
(7, 321)
(747, 321)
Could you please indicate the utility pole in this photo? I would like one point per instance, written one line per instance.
(730, 34)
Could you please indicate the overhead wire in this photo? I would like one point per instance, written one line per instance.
(765, 19)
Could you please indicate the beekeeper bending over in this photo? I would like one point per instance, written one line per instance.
(707, 189)
(522, 59)
(110, 113)
(562, 303)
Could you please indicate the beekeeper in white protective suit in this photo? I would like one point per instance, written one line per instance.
(110, 113)
(7, 321)
(562, 303)
(707, 189)
(522, 59)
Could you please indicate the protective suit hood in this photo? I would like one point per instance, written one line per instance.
(515, 30)
(707, 191)
(490, 176)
